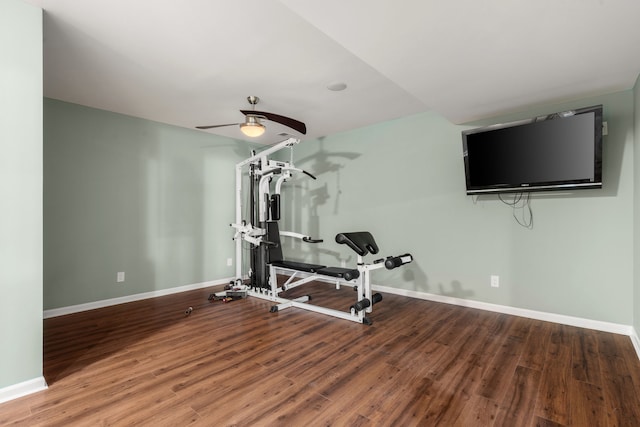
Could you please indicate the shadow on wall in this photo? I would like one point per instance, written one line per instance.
(414, 274)
(323, 162)
(456, 290)
(305, 199)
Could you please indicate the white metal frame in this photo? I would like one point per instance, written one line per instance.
(250, 232)
(362, 285)
(255, 235)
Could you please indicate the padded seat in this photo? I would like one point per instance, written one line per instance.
(362, 242)
(274, 252)
(300, 266)
(342, 273)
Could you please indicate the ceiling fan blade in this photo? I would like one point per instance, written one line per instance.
(287, 121)
(216, 126)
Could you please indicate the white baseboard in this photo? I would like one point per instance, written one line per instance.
(597, 325)
(532, 314)
(522, 312)
(635, 340)
(54, 312)
(22, 389)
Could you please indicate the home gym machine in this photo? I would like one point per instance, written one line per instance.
(262, 233)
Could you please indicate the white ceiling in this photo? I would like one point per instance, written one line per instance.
(194, 62)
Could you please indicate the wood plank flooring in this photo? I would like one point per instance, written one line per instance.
(419, 364)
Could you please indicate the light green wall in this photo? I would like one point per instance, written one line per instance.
(125, 194)
(20, 192)
(404, 181)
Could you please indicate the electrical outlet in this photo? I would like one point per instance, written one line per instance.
(495, 281)
(120, 277)
(229, 262)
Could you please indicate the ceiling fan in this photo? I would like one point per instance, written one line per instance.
(253, 127)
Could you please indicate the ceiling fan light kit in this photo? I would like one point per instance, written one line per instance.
(252, 128)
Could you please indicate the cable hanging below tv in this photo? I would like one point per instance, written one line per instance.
(559, 151)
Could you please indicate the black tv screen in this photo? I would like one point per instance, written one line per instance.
(560, 151)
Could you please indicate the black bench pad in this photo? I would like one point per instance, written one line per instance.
(343, 273)
(300, 266)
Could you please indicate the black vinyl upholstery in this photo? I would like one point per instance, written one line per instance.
(361, 242)
(300, 266)
(274, 252)
(342, 273)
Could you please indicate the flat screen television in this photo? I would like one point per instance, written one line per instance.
(560, 151)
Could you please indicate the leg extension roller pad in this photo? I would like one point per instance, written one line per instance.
(376, 298)
(396, 261)
(361, 305)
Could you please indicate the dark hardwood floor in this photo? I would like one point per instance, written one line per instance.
(419, 364)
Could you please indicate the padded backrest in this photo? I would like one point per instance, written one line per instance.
(361, 242)
(274, 252)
